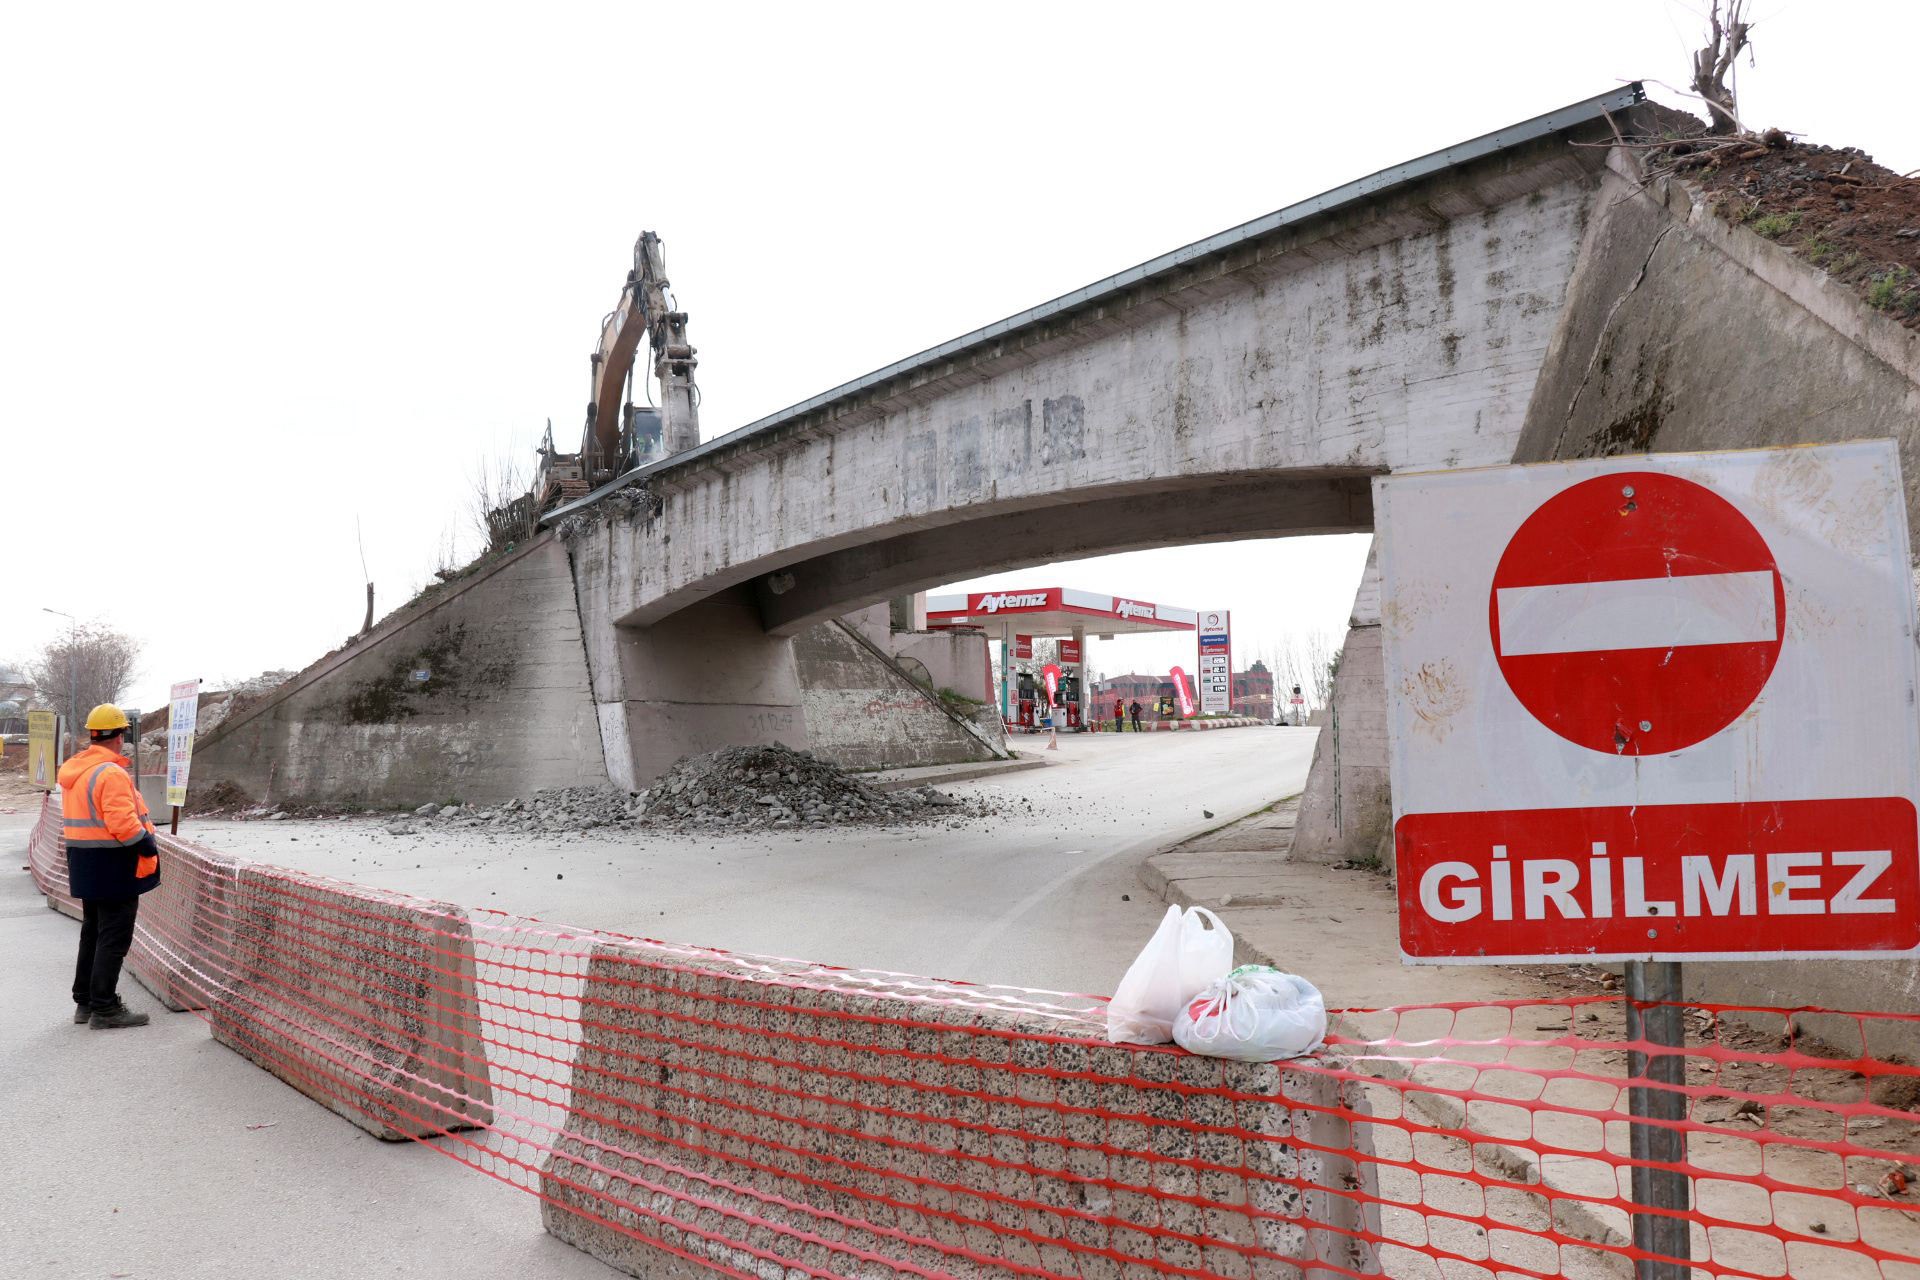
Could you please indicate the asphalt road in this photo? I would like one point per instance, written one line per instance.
(156, 1153)
(1034, 898)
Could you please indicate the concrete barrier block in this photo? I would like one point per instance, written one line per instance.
(364, 1002)
(723, 1115)
(47, 858)
(183, 941)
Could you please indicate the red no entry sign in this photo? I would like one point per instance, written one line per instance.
(1637, 613)
(1647, 767)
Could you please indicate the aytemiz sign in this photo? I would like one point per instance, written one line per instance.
(996, 601)
(1216, 661)
(1654, 708)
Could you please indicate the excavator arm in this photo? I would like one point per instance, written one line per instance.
(644, 309)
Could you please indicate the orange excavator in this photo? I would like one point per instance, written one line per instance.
(620, 435)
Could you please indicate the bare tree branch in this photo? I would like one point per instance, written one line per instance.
(1712, 64)
(88, 665)
(500, 504)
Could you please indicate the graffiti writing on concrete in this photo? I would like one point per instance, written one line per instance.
(770, 721)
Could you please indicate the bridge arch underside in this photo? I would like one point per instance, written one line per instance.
(992, 538)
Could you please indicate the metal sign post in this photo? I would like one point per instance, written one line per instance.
(183, 716)
(1653, 1017)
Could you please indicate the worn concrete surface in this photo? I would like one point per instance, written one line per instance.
(862, 710)
(1347, 808)
(840, 1157)
(505, 709)
(1252, 397)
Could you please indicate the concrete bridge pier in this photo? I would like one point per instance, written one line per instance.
(710, 676)
(1346, 812)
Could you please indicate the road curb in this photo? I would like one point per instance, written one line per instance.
(960, 773)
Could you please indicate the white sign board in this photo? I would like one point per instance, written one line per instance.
(1216, 661)
(182, 714)
(1656, 708)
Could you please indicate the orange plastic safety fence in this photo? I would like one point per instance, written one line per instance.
(760, 1115)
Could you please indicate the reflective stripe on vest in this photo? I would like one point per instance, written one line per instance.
(93, 823)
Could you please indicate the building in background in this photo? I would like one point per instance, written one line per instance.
(16, 696)
(1252, 691)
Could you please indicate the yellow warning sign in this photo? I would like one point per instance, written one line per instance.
(43, 751)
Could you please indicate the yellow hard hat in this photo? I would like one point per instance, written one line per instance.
(107, 716)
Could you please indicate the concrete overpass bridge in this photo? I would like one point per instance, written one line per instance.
(1244, 386)
(1248, 385)
(1524, 295)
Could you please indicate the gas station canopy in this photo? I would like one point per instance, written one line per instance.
(1056, 611)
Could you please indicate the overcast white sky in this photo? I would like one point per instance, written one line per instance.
(268, 270)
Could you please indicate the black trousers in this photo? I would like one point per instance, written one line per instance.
(106, 931)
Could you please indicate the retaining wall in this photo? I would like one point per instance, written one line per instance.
(862, 713)
(505, 708)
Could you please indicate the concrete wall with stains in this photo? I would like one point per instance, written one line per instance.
(1248, 398)
(1680, 332)
(707, 678)
(1683, 332)
(956, 660)
(864, 714)
(504, 709)
(1251, 401)
(1346, 811)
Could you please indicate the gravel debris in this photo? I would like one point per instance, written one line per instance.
(735, 788)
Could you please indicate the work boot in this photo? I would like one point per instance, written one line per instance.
(118, 1016)
(81, 1014)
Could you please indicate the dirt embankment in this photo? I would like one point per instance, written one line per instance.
(1856, 220)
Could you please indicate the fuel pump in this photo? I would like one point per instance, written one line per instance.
(1024, 717)
(1070, 695)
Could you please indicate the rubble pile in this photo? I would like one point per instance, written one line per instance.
(736, 788)
(777, 786)
(557, 809)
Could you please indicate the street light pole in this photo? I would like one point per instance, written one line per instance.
(73, 695)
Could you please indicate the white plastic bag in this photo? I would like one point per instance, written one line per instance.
(1188, 951)
(1254, 1014)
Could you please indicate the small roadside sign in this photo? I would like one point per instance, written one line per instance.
(1655, 708)
(1182, 692)
(43, 748)
(183, 713)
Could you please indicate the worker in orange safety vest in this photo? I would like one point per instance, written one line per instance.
(112, 858)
